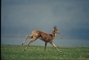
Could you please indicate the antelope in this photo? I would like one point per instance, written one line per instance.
(42, 36)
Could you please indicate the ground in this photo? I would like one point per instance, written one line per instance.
(16, 52)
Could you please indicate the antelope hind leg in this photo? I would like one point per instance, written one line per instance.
(26, 39)
(32, 40)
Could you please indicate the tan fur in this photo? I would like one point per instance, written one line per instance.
(43, 36)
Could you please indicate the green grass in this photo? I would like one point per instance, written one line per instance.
(16, 52)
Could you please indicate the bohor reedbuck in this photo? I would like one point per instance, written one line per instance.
(47, 38)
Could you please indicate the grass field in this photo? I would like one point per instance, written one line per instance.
(16, 52)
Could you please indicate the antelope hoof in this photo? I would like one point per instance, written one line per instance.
(59, 51)
(22, 43)
(24, 50)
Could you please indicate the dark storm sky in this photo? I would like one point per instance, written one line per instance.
(20, 17)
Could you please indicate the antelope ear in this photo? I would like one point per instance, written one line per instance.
(55, 27)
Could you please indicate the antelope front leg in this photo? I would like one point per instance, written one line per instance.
(45, 46)
(25, 39)
(54, 46)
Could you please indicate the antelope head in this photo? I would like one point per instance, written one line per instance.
(55, 30)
